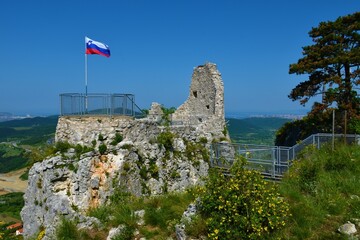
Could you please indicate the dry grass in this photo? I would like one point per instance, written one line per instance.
(11, 182)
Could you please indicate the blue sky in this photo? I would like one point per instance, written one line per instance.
(154, 47)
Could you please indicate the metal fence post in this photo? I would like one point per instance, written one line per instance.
(112, 105)
(132, 105)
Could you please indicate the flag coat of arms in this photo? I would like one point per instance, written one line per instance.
(94, 47)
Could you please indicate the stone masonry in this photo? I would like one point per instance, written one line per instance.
(206, 97)
(67, 185)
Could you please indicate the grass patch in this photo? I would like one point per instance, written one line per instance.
(12, 158)
(67, 229)
(11, 205)
(160, 211)
(161, 214)
(322, 189)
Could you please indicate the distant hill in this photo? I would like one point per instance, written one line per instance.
(28, 130)
(255, 130)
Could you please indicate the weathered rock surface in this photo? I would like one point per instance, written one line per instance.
(65, 186)
(347, 229)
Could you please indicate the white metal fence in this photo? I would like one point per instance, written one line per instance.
(99, 104)
(271, 161)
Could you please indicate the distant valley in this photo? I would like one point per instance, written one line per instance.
(255, 130)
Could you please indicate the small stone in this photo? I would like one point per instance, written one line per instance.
(347, 229)
(95, 182)
(355, 197)
(114, 231)
(140, 214)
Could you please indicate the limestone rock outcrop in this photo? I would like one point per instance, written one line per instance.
(143, 156)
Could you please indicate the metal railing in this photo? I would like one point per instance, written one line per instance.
(99, 104)
(271, 161)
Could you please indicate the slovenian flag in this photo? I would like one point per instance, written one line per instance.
(94, 47)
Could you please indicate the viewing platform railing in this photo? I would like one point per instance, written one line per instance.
(272, 161)
(75, 104)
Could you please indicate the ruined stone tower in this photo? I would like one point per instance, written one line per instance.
(68, 185)
(204, 107)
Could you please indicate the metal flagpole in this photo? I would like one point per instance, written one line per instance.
(86, 81)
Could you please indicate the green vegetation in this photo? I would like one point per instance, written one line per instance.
(254, 130)
(322, 189)
(28, 131)
(118, 138)
(166, 139)
(102, 148)
(79, 149)
(195, 151)
(61, 147)
(167, 113)
(23, 140)
(11, 205)
(331, 66)
(161, 214)
(67, 229)
(241, 205)
(12, 158)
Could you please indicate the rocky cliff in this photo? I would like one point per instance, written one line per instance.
(146, 156)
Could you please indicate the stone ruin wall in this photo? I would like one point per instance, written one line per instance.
(64, 185)
(202, 114)
(206, 97)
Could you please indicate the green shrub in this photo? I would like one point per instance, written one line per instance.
(126, 166)
(196, 151)
(62, 147)
(102, 149)
(102, 213)
(165, 211)
(25, 175)
(225, 131)
(153, 169)
(127, 146)
(143, 173)
(118, 138)
(72, 167)
(166, 139)
(175, 174)
(101, 137)
(196, 227)
(203, 140)
(167, 113)
(66, 230)
(79, 149)
(93, 143)
(242, 205)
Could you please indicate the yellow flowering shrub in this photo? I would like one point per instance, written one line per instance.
(242, 205)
